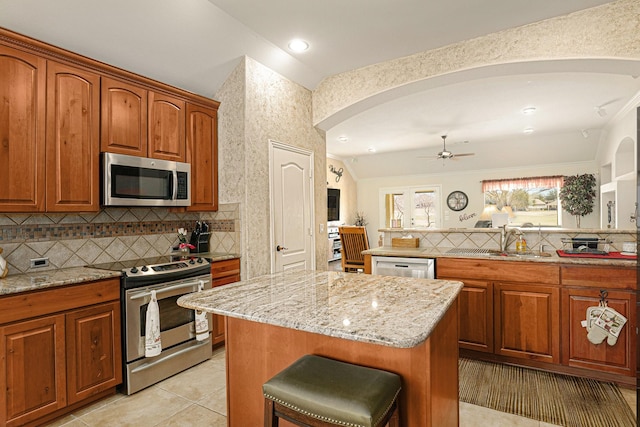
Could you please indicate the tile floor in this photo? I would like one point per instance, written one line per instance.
(188, 400)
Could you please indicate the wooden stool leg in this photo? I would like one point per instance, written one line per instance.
(270, 418)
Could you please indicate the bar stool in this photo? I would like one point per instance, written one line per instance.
(318, 392)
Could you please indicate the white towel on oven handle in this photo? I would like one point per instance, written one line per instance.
(202, 320)
(153, 344)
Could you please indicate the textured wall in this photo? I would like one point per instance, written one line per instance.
(265, 106)
(610, 31)
(348, 191)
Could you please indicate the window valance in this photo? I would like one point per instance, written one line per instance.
(519, 183)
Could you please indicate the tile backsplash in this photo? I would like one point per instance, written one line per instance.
(71, 240)
(479, 238)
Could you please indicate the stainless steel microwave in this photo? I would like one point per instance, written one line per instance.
(140, 181)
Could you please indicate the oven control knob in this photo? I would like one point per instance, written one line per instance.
(134, 270)
(199, 261)
(192, 261)
(145, 268)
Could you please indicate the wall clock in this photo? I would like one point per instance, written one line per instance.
(457, 201)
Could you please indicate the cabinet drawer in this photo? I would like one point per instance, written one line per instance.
(32, 304)
(600, 277)
(228, 267)
(510, 271)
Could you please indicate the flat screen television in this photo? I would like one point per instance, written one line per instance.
(333, 204)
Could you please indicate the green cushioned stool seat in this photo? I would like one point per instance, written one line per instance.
(317, 391)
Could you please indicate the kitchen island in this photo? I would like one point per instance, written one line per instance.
(403, 325)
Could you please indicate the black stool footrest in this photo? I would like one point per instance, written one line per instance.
(334, 392)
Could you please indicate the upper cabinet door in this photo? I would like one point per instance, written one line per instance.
(166, 127)
(22, 131)
(124, 118)
(202, 154)
(73, 131)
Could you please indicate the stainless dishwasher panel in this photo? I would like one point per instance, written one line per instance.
(422, 268)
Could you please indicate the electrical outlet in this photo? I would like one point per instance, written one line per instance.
(39, 262)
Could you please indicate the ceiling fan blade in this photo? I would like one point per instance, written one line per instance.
(465, 154)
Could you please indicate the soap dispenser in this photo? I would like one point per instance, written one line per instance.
(521, 244)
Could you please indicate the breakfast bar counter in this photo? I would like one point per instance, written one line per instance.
(403, 325)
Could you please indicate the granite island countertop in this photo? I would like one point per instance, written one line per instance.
(393, 311)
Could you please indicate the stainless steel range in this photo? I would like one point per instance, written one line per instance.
(170, 278)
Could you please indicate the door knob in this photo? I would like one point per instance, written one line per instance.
(281, 248)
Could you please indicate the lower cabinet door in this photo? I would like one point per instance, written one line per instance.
(475, 311)
(94, 361)
(33, 369)
(527, 321)
(619, 358)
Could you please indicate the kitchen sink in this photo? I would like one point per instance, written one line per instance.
(494, 252)
(527, 254)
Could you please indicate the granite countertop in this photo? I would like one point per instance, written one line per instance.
(51, 278)
(43, 279)
(393, 311)
(442, 253)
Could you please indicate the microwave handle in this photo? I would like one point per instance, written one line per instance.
(174, 195)
(162, 290)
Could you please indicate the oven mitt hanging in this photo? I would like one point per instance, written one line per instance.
(202, 321)
(603, 322)
(594, 335)
(152, 343)
(612, 322)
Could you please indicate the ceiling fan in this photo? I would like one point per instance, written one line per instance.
(446, 154)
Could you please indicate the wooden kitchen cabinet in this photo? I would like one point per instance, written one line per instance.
(72, 141)
(59, 110)
(48, 162)
(141, 122)
(166, 127)
(507, 308)
(222, 273)
(202, 154)
(93, 350)
(33, 369)
(124, 118)
(527, 321)
(59, 348)
(582, 290)
(22, 131)
(475, 308)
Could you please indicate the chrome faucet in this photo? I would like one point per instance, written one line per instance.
(504, 237)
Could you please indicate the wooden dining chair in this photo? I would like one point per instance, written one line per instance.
(354, 241)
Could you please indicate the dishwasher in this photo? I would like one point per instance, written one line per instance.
(421, 268)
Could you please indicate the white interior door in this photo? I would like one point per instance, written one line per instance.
(292, 243)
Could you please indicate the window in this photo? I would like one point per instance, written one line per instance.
(531, 200)
(412, 207)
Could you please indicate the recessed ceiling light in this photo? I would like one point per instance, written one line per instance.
(528, 130)
(343, 139)
(298, 45)
(529, 110)
(371, 149)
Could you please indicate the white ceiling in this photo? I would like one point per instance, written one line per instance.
(195, 44)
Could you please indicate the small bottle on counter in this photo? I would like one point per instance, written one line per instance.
(521, 244)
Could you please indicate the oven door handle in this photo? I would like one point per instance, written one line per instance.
(163, 290)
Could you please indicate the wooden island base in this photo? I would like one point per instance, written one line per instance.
(257, 351)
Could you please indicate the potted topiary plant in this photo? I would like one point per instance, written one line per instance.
(578, 194)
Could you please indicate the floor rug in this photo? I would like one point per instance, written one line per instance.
(557, 399)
